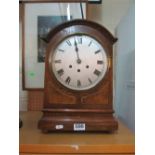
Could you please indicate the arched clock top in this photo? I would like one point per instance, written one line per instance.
(103, 31)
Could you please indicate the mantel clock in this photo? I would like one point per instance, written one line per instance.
(78, 92)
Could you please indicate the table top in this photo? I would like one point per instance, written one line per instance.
(32, 140)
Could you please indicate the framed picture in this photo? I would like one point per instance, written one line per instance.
(38, 20)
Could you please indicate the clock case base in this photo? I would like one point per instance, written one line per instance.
(63, 120)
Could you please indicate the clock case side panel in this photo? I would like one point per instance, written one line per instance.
(72, 108)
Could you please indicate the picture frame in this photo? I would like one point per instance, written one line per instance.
(38, 18)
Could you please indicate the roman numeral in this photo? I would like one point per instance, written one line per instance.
(68, 79)
(97, 51)
(97, 72)
(99, 62)
(57, 61)
(61, 50)
(90, 43)
(68, 42)
(78, 83)
(80, 40)
(60, 72)
(90, 81)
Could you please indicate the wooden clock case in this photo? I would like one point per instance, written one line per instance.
(63, 108)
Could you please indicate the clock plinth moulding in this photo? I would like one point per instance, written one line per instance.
(78, 93)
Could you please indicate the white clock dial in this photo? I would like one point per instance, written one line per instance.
(79, 62)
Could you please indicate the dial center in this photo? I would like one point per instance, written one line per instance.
(78, 61)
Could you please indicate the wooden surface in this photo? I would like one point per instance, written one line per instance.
(33, 141)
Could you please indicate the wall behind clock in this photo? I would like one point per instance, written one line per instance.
(125, 69)
(109, 13)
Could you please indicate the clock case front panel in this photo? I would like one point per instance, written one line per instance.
(63, 107)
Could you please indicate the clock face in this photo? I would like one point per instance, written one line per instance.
(79, 62)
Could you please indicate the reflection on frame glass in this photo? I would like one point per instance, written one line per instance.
(45, 24)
